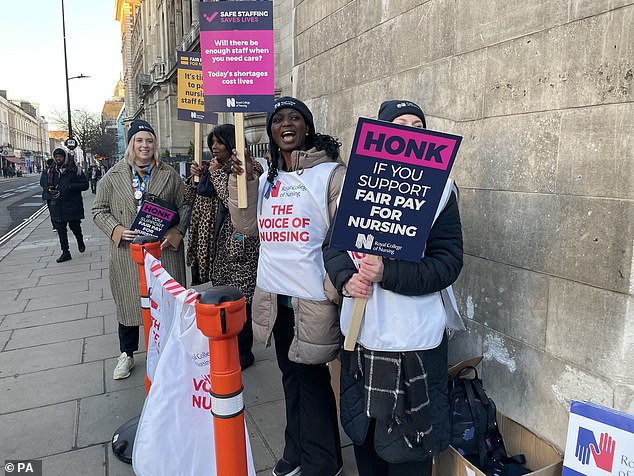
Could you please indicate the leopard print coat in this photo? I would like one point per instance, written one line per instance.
(229, 258)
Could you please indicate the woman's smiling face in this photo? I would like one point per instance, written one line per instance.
(289, 130)
(144, 146)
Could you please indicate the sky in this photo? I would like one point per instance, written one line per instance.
(32, 53)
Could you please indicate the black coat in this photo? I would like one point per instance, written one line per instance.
(438, 269)
(69, 205)
(97, 175)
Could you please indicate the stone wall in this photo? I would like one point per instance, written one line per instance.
(542, 93)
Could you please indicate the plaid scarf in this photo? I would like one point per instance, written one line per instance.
(395, 392)
(54, 169)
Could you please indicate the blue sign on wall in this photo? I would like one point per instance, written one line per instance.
(600, 441)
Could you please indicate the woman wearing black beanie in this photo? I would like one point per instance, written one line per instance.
(290, 208)
(119, 196)
(394, 404)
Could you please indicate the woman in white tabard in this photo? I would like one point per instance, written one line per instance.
(393, 399)
(119, 196)
(290, 208)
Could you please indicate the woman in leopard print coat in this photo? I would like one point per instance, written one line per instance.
(221, 254)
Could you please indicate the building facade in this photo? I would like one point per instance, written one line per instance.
(110, 114)
(121, 142)
(23, 135)
(153, 31)
(541, 93)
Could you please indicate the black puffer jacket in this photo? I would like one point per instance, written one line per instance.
(69, 180)
(438, 269)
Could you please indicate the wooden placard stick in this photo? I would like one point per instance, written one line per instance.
(358, 309)
(198, 150)
(242, 178)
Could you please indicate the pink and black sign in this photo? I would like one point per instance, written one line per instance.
(236, 45)
(394, 184)
(153, 220)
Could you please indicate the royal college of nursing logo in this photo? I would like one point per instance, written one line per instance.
(602, 453)
(364, 241)
(272, 190)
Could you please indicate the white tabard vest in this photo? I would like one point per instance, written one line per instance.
(397, 323)
(292, 222)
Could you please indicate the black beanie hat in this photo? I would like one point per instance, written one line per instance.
(137, 126)
(390, 110)
(292, 103)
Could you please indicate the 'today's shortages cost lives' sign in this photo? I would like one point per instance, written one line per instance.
(393, 186)
(236, 45)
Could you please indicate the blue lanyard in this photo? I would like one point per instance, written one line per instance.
(138, 185)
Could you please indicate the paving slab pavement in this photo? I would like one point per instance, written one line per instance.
(58, 348)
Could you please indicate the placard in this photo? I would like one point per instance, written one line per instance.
(153, 220)
(600, 441)
(191, 100)
(395, 180)
(236, 45)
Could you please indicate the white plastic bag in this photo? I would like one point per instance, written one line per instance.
(175, 436)
(165, 295)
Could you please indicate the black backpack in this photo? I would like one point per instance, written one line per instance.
(474, 429)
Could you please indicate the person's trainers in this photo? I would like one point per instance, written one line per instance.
(124, 365)
(64, 257)
(81, 246)
(284, 468)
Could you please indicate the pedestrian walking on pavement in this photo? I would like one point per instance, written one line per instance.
(393, 401)
(119, 197)
(294, 202)
(95, 175)
(216, 252)
(62, 183)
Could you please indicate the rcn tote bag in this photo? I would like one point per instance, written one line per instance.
(175, 436)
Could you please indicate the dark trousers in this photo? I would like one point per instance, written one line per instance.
(312, 432)
(62, 232)
(128, 339)
(245, 337)
(195, 274)
(93, 185)
(369, 463)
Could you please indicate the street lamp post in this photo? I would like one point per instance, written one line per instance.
(70, 126)
(71, 143)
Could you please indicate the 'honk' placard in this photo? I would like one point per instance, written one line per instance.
(394, 184)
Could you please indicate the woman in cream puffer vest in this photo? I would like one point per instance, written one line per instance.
(290, 208)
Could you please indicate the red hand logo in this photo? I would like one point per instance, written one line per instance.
(605, 458)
